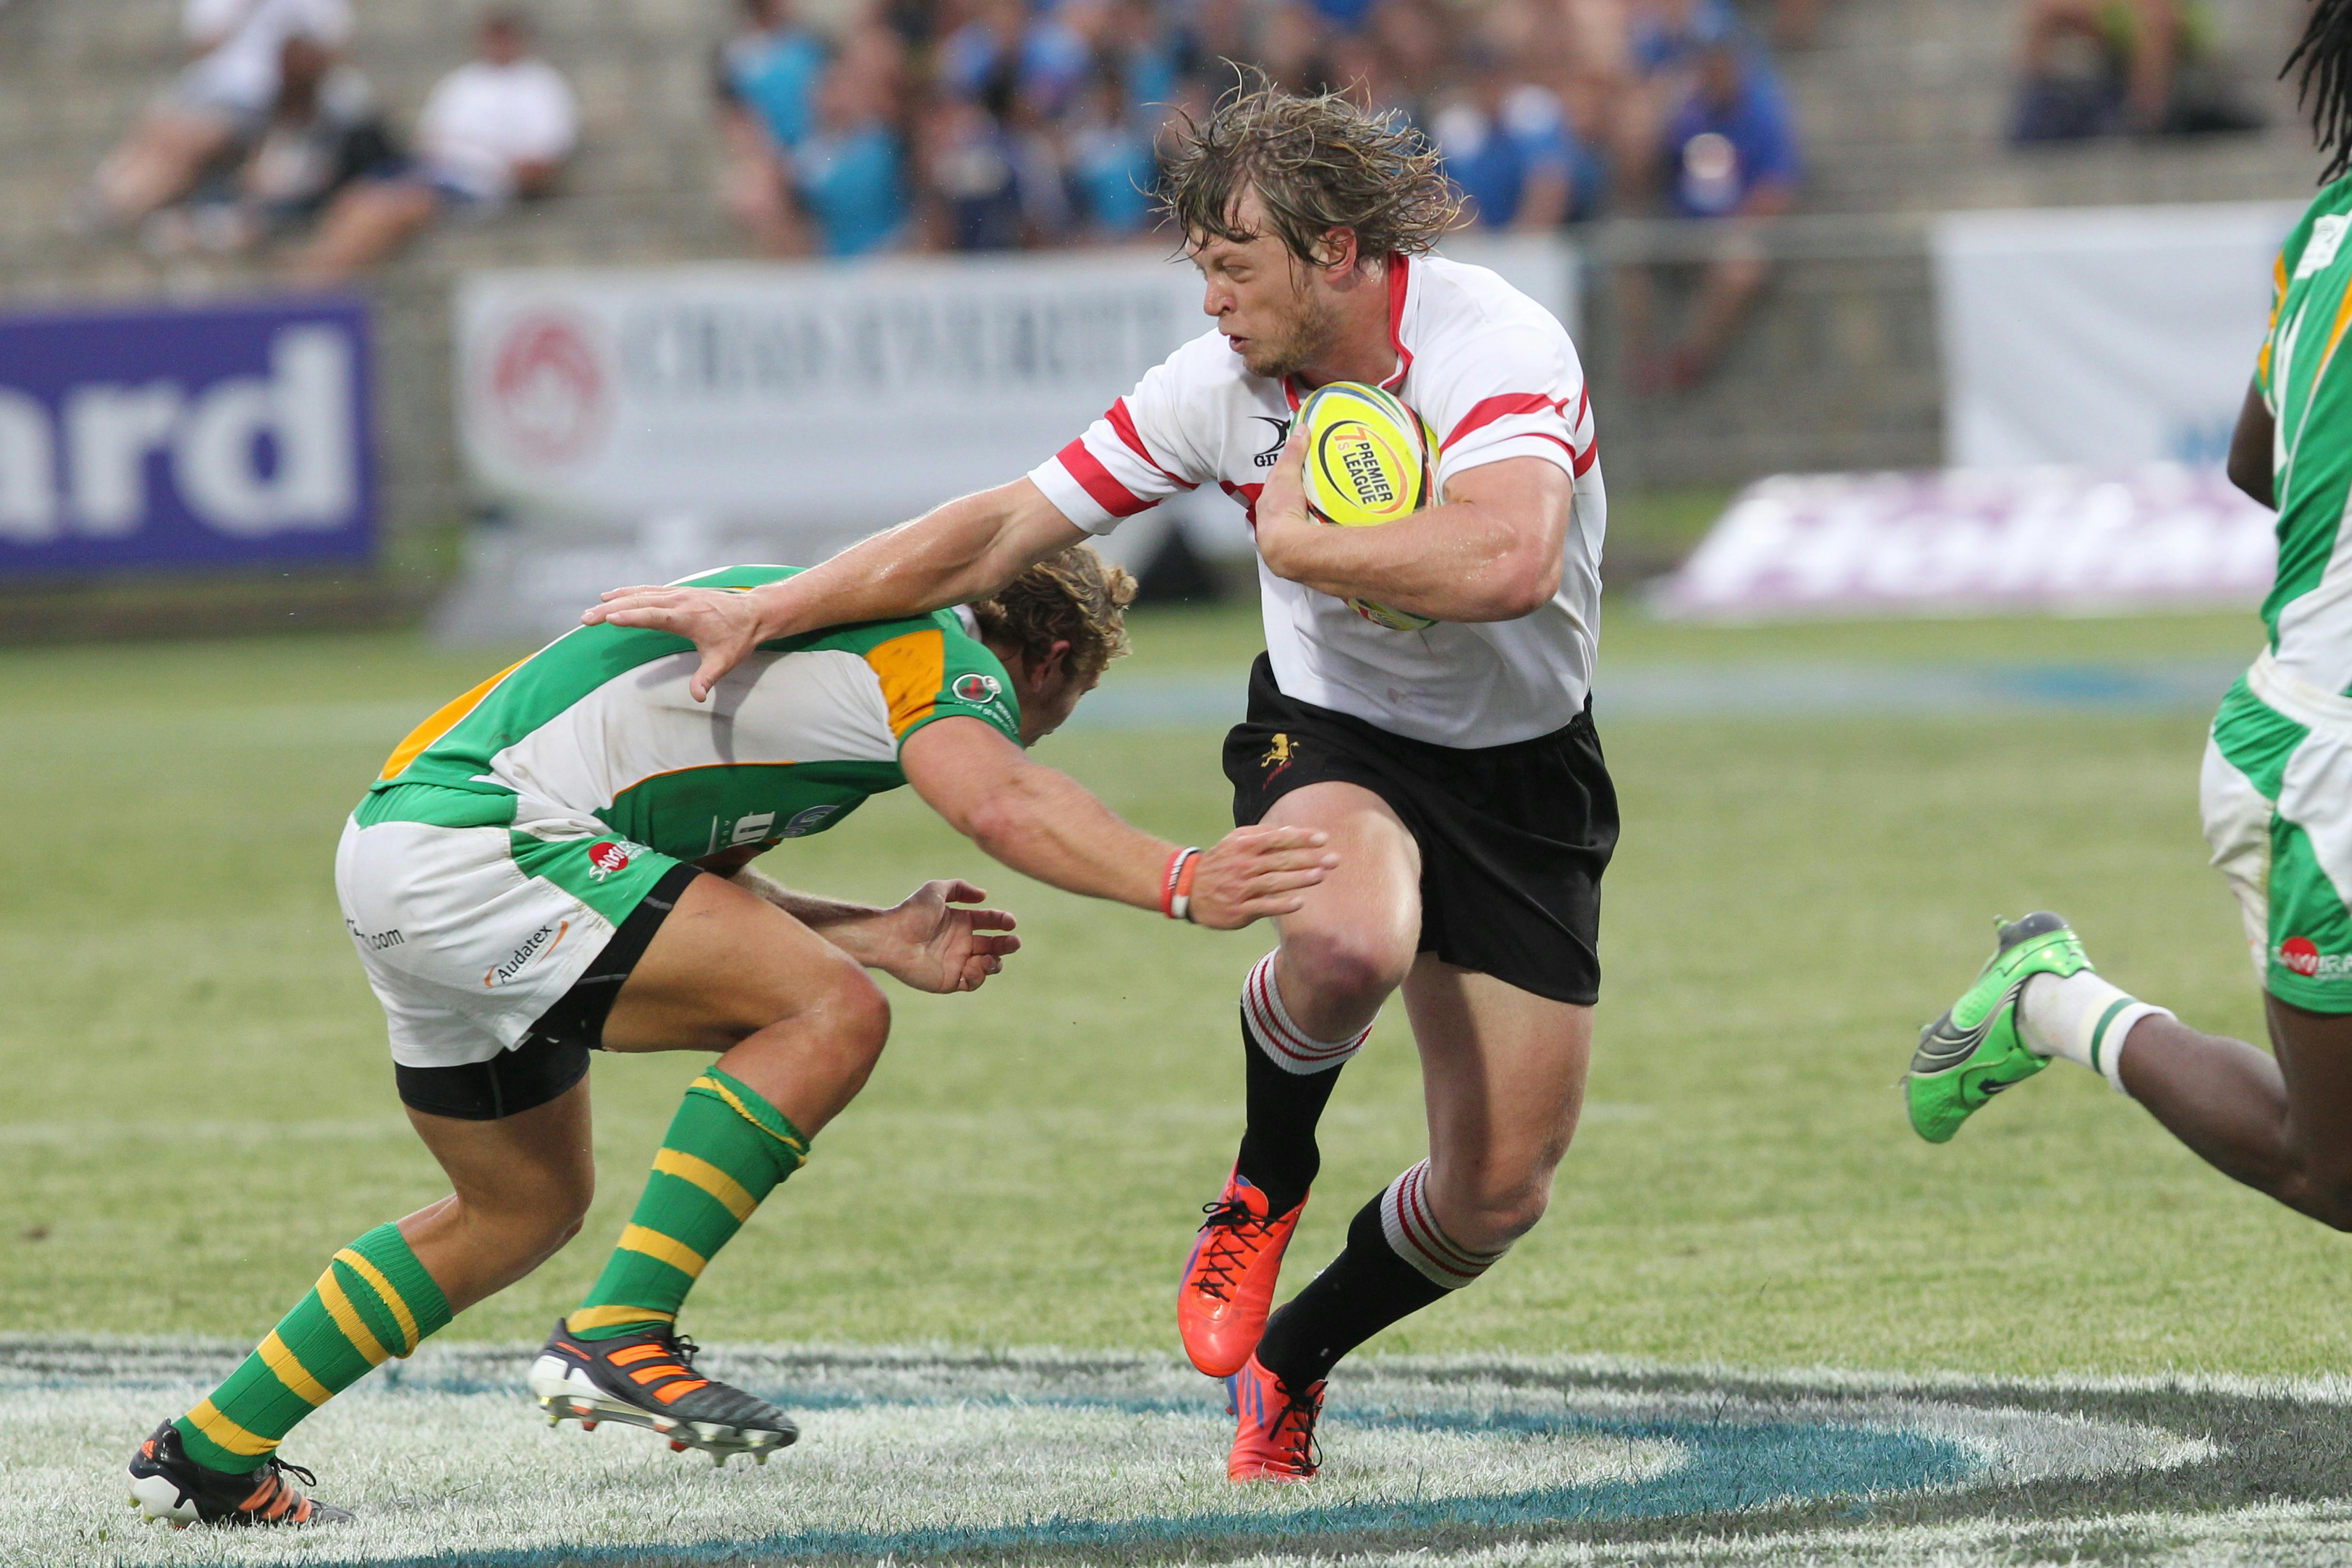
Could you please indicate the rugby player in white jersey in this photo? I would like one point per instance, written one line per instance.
(1455, 769)
(557, 862)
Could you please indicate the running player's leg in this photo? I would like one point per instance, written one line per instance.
(521, 1186)
(1503, 1074)
(799, 1026)
(2282, 1125)
(1308, 1006)
(1306, 1010)
(2276, 818)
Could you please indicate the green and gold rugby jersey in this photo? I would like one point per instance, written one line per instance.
(2309, 610)
(599, 724)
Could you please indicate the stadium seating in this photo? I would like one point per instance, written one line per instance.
(1901, 103)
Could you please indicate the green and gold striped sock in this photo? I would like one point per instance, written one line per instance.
(725, 1151)
(374, 1300)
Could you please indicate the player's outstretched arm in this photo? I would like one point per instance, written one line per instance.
(1490, 553)
(930, 939)
(961, 551)
(1045, 824)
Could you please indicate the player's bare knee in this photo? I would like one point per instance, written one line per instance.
(1345, 963)
(850, 1017)
(1508, 1216)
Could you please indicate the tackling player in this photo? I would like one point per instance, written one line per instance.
(1455, 769)
(526, 882)
(2277, 786)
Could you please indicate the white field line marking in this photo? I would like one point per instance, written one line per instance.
(438, 1471)
(443, 1455)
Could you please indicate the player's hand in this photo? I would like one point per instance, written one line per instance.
(723, 626)
(1283, 527)
(1253, 872)
(933, 945)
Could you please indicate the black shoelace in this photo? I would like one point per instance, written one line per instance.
(1229, 1215)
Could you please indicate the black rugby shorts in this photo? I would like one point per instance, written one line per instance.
(1513, 839)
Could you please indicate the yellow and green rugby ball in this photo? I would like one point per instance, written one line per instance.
(1368, 462)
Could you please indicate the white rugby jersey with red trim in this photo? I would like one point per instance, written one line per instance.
(1495, 376)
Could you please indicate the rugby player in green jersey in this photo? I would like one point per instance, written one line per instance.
(2277, 785)
(556, 862)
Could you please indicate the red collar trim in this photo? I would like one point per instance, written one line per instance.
(1400, 278)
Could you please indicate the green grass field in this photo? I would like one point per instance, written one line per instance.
(199, 1107)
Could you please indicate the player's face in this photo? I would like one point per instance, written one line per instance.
(1267, 303)
(1049, 692)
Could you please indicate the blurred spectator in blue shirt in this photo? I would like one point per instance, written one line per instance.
(1042, 56)
(972, 195)
(767, 80)
(1510, 148)
(1730, 153)
(1112, 171)
(770, 70)
(850, 170)
(1731, 147)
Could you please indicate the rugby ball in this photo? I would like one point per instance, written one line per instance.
(1368, 462)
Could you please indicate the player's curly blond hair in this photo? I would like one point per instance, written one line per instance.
(1316, 165)
(1073, 597)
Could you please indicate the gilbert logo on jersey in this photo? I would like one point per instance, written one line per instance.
(1273, 453)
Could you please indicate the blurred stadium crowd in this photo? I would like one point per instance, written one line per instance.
(964, 124)
(871, 126)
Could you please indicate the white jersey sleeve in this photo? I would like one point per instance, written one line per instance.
(1140, 451)
(1507, 390)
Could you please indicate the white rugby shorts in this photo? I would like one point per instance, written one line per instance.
(470, 934)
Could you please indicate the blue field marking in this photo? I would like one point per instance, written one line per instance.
(1761, 691)
(1730, 1465)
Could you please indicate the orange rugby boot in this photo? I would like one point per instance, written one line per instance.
(1228, 1285)
(1276, 1438)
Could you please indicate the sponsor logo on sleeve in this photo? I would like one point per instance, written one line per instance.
(808, 820)
(2301, 955)
(2326, 239)
(976, 689)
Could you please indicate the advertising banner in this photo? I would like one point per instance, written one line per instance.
(210, 437)
(2102, 336)
(818, 398)
(2154, 535)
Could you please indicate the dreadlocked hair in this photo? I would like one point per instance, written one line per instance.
(1073, 597)
(1316, 163)
(2325, 85)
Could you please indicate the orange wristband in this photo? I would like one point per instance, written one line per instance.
(1176, 886)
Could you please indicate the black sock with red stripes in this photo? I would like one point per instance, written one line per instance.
(1366, 1287)
(1290, 1078)
(1279, 1155)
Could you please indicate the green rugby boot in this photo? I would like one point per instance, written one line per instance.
(1973, 1052)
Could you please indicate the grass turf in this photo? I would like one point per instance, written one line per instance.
(200, 1109)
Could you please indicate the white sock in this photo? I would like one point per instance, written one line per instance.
(2083, 1019)
(1274, 1033)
